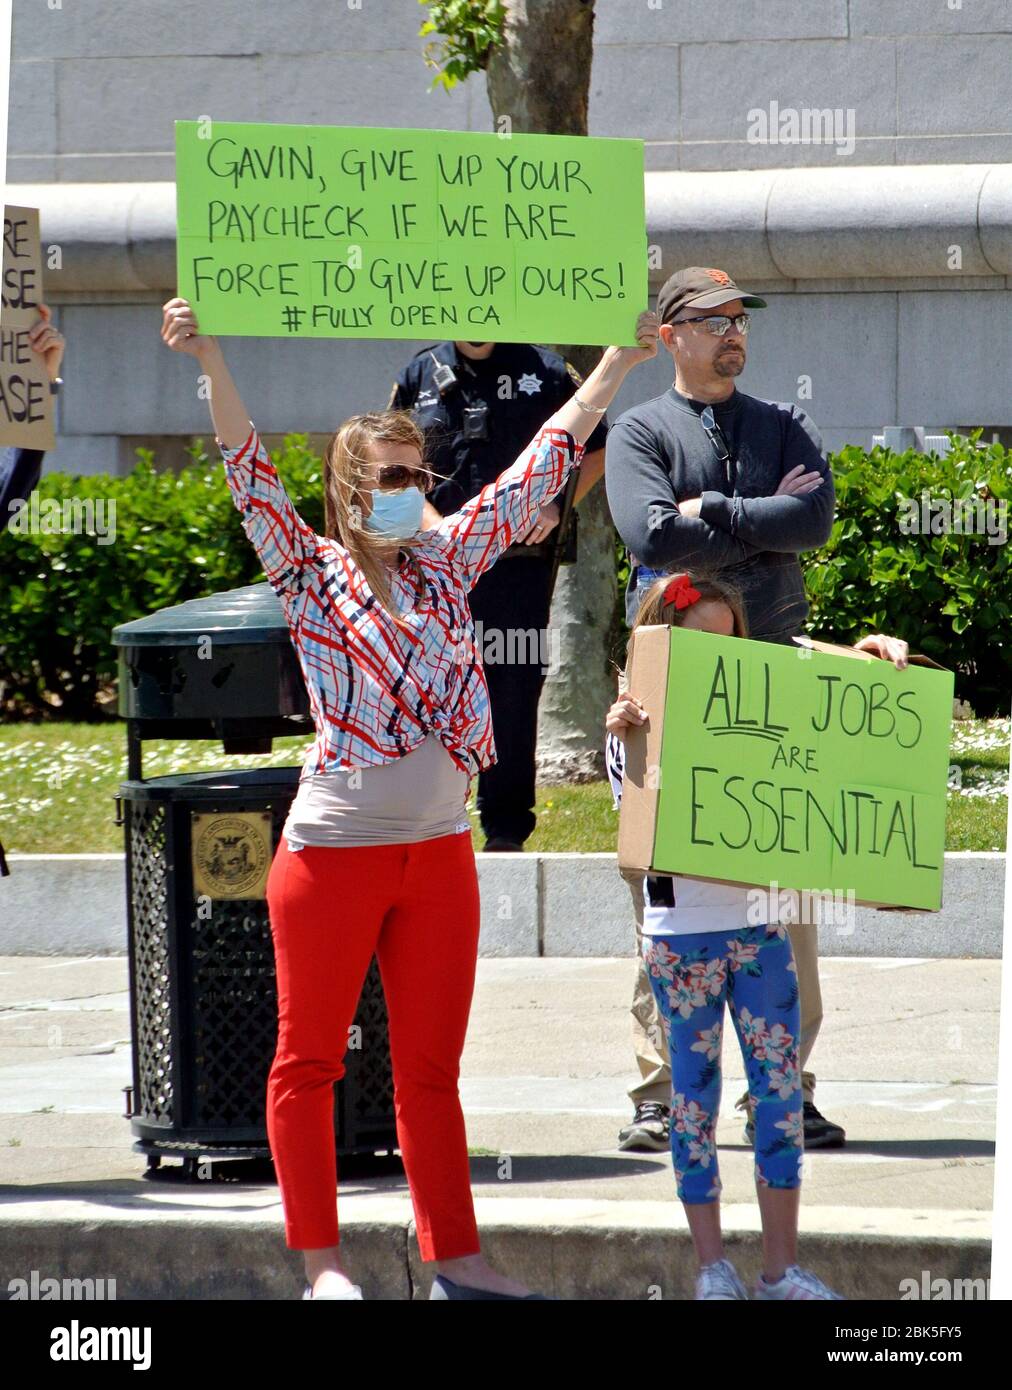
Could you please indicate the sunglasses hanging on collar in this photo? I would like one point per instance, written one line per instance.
(716, 437)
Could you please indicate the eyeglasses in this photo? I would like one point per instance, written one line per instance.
(395, 477)
(718, 324)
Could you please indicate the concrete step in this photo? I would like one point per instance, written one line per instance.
(179, 1242)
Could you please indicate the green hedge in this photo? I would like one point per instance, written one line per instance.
(948, 595)
(178, 536)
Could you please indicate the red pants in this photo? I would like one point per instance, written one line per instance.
(416, 908)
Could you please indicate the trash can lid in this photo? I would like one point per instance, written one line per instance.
(249, 615)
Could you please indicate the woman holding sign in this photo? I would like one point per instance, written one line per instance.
(376, 854)
(707, 945)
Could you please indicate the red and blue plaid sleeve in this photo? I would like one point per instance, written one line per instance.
(486, 525)
(282, 540)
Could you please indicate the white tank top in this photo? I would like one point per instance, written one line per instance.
(421, 796)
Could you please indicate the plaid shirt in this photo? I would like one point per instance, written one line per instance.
(376, 689)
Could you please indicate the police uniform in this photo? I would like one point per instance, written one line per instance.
(477, 420)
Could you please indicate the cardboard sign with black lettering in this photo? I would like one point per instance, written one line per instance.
(817, 767)
(26, 404)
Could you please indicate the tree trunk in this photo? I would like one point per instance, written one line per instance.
(539, 79)
(540, 76)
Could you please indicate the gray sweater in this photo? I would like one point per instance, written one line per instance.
(658, 454)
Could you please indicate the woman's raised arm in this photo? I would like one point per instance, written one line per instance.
(282, 540)
(180, 333)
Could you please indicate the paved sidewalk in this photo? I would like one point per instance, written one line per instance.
(906, 1062)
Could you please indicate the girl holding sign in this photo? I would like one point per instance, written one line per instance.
(706, 944)
(376, 854)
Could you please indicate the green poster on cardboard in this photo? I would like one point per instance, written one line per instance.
(818, 772)
(356, 232)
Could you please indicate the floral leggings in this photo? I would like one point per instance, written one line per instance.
(691, 976)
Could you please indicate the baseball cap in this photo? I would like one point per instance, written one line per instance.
(702, 288)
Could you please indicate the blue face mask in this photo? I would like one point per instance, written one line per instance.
(396, 514)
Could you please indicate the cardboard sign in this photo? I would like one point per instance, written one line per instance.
(26, 404)
(816, 767)
(351, 232)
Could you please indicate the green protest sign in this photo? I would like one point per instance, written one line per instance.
(350, 232)
(817, 771)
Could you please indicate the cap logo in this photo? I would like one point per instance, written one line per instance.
(719, 277)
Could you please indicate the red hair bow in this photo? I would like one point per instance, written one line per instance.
(680, 592)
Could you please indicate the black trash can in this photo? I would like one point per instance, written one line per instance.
(198, 846)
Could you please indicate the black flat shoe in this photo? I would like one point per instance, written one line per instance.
(444, 1289)
(821, 1133)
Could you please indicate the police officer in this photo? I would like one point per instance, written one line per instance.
(480, 405)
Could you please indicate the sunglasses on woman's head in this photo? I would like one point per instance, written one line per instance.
(395, 477)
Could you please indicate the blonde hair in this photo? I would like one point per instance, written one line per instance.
(347, 473)
(653, 610)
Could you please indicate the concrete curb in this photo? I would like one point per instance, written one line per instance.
(571, 1248)
(532, 905)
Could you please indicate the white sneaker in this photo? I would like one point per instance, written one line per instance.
(352, 1293)
(796, 1283)
(719, 1281)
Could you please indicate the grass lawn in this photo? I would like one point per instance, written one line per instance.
(57, 782)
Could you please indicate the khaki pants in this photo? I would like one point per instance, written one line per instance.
(649, 1043)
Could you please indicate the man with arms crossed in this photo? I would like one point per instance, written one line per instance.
(708, 479)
